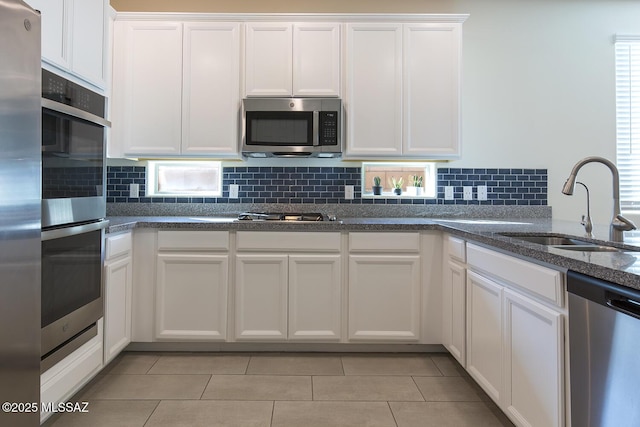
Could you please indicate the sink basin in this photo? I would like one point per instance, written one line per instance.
(564, 242)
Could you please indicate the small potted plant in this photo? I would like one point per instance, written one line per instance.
(377, 188)
(416, 188)
(396, 184)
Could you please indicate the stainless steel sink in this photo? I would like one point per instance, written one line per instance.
(563, 242)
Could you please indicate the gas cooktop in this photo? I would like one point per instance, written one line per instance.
(280, 216)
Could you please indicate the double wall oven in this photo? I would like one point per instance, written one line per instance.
(73, 215)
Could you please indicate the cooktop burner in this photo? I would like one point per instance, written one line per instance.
(280, 216)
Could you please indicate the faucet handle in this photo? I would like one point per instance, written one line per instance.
(622, 223)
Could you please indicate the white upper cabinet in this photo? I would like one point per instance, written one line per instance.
(285, 59)
(73, 37)
(402, 90)
(374, 90)
(431, 90)
(176, 88)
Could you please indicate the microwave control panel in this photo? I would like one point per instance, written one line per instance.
(328, 128)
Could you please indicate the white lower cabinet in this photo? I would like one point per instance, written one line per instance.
(118, 288)
(454, 273)
(192, 282)
(290, 294)
(515, 338)
(384, 287)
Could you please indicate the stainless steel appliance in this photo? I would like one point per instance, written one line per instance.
(19, 211)
(73, 212)
(280, 216)
(291, 127)
(604, 332)
(73, 152)
(72, 288)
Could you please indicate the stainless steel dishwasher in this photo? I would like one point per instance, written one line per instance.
(604, 343)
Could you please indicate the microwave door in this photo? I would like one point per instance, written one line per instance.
(316, 128)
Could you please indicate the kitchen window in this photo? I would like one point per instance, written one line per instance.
(627, 63)
(415, 180)
(184, 178)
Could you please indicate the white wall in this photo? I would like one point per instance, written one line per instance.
(538, 80)
(538, 91)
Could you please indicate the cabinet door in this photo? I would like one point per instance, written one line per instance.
(431, 90)
(374, 92)
(484, 334)
(191, 299)
(314, 297)
(454, 310)
(261, 297)
(117, 307)
(211, 88)
(87, 43)
(384, 297)
(316, 59)
(268, 61)
(55, 31)
(533, 361)
(147, 87)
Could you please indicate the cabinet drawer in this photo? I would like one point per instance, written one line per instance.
(457, 249)
(117, 245)
(536, 279)
(290, 241)
(193, 240)
(385, 242)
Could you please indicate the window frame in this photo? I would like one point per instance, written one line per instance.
(153, 176)
(430, 179)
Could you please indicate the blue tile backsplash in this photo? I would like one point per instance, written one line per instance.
(322, 185)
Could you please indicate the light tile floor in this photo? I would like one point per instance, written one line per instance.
(283, 389)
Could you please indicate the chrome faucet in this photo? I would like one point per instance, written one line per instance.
(618, 222)
(586, 221)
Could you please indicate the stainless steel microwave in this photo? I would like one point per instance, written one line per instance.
(292, 127)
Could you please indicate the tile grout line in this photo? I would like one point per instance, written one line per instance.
(392, 414)
(149, 417)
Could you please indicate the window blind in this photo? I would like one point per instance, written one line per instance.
(627, 62)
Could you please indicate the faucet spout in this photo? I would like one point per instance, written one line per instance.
(618, 222)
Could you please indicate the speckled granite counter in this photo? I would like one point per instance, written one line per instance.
(619, 267)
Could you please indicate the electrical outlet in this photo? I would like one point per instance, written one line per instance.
(348, 192)
(134, 190)
(482, 192)
(448, 193)
(233, 191)
(467, 193)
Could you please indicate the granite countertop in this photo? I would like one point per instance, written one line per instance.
(621, 267)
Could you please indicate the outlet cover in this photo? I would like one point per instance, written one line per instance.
(348, 192)
(448, 193)
(482, 192)
(233, 191)
(467, 193)
(134, 190)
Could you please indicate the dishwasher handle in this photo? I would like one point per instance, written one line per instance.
(623, 304)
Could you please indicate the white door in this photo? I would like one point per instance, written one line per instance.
(268, 59)
(316, 59)
(454, 301)
(211, 88)
(87, 43)
(117, 307)
(431, 90)
(374, 90)
(314, 297)
(484, 334)
(55, 31)
(533, 362)
(191, 299)
(384, 297)
(261, 297)
(147, 87)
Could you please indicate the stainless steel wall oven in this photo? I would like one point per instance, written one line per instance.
(73, 216)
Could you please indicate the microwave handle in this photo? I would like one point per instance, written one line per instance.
(316, 127)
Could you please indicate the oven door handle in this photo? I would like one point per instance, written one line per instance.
(74, 112)
(57, 233)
